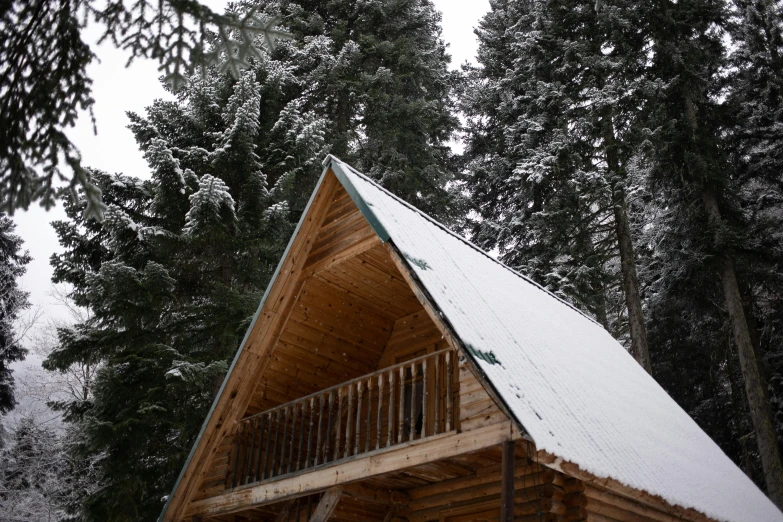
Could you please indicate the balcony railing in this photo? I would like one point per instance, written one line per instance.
(408, 401)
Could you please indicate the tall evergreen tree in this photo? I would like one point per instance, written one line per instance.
(548, 143)
(13, 301)
(178, 266)
(689, 164)
(386, 89)
(529, 183)
(172, 275)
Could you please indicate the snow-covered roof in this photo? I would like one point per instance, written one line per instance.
(573, 388)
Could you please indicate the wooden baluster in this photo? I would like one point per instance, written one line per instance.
(330, 427)
(401, 414)
(425, 403)
(437, 393)
(274, 446)
(449, 396)
(369, 414)
(300, 451)
(251, 424)
(233, 481)
(256, 471)
(414, 416)
(268, 446)
(380, 412)
(359, 390)
(318, 449)
(339, 423)
(293, 438)
(283, 442)
(310, 433)
(390, 427)
(242, 454)
(349, 424)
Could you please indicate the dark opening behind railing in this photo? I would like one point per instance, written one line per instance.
(400, 403)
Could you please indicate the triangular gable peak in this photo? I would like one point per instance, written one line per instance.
(397, 366)
(338, 308)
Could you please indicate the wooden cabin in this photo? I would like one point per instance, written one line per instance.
(395, 372)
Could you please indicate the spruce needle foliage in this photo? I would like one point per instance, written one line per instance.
(44, 82)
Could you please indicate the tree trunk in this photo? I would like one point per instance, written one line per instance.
(738, 401)
(755, 387)
(633, 301)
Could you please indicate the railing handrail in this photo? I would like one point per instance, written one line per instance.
(349, 382)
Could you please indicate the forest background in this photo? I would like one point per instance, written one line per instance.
(626, 155)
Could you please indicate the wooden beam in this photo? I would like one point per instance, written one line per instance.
(507, 482)
(362, 245)
(327, 504)
(362, 467)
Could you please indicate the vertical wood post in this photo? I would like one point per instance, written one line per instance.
(267, 450)
(380, 412)
(401, 413)
(259, 456)
(357, 437)
(339, 423)
(390, 427)
(349, 422)
(301, 440)
(318, 448)
(507, 482)
(425, 402)
(310, 432)
(289, 467)
(330, 426)
(274, 446)
(449, 394)
(369, 416)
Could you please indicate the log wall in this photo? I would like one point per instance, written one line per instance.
(539, 494)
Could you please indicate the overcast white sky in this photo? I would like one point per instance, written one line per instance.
(117, 89)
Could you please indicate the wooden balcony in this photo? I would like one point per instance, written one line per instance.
(371, 414)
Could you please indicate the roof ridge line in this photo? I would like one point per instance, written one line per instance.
(330, 157)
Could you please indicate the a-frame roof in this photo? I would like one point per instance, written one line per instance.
(585, 402)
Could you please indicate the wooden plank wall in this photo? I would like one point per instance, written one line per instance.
(476, 407)
(412, 336)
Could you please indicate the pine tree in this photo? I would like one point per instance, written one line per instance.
(690, 166)
(385, 88)
(43, 76)
(548, 144)
(754, 125)
(32, 474)
(12, 302)
(178, 266)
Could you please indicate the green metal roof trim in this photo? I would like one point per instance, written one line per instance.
(354, 195)
(364, 208)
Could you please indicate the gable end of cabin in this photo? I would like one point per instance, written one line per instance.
(352, 399)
